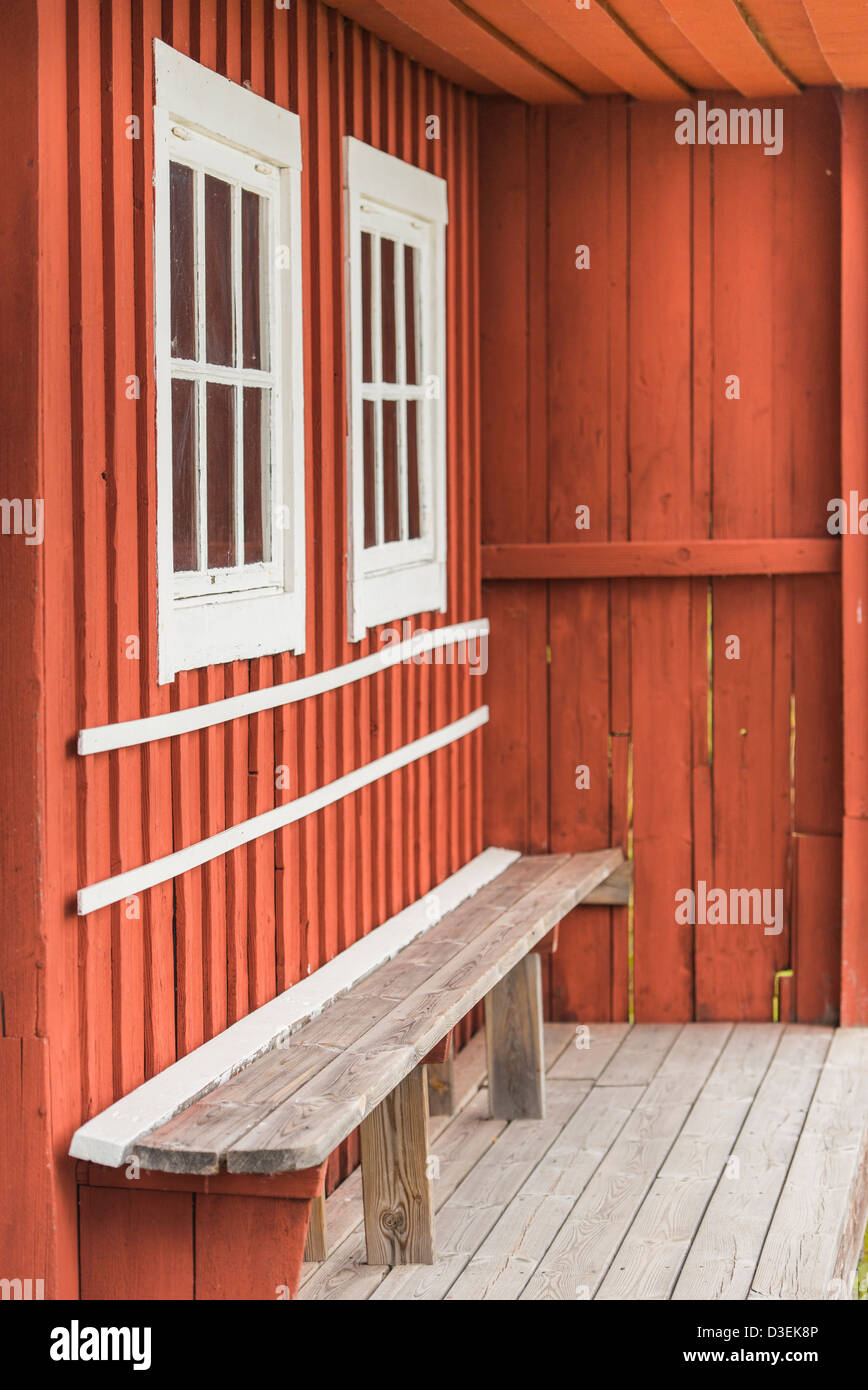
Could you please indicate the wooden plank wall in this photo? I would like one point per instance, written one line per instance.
(605, 387)
(134, 986)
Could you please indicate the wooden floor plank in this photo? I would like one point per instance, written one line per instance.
(591, 1052)
(639, 1055)
(557, 1038)
(652, 1253)
(623, 1183)
(727, 1245)
(511, 1251)
(579, 1257)
(812, 1247)
(510, 1254)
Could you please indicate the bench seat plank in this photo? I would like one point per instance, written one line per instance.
(292, 1107)
(196, 1140)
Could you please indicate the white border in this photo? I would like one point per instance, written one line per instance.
(109, 1136)
(196, 634)
(399, 590)
(125, 885)
(134, 732)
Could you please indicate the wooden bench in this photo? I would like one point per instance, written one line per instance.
(362, 1063)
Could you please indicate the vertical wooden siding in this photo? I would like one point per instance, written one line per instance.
(702, 264)
(146, 981)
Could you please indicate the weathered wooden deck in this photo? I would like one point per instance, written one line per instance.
(703, 1161)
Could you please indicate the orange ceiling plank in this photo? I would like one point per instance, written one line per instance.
(841, 27)
(526, 22)
(652, 24)
(719, 30)
(601, 39)
(384, 25)
(786, 26)
(451, 25)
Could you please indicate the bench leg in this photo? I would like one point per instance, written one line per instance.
(315, 1244)
(514, 1043)
(396, 1189)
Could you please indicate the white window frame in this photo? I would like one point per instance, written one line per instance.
(389, 197)
(204, 120)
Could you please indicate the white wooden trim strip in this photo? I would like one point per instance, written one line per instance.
(125, 885)
(109, 1136)
(131, 732)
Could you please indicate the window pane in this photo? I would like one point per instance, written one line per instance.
(220, 404)
(218, 271)
(391, 495)
(183, 261)
(411, 317)
(367, 325)
(184, 474)
(370, 446)
(254, 290)
(414, 527)
(257, 490)
(387, 297)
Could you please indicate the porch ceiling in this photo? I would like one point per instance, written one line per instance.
(547, 51)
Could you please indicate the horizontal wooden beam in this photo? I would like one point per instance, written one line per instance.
(615, 890)
(660, 559)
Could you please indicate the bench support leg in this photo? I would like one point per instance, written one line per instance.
(514, 1043)
(396, 1189)
(315, 1244)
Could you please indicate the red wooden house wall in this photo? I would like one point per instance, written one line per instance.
(120, 998)
(606, 387)
(601, 387)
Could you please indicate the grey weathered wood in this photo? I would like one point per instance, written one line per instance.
(303, 1130)
(480, 1199)
(517, 1221)
(441, 1087)
(579, 1257)
(514, 1043)
(727, 1245)
(396, 1188)
(469, 948)
(637, 1059)
(812, 1247)
(650, 1257)
(590, 1050)
(615, 890)
(316, 1244)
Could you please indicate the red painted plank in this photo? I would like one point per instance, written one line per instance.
(600, 37)
(656, 559)
(158, 904)
(660, 508)
(817, 928)
(720, 32)
(266, 1236)
(854, 579)
(841, 29)
(479, 45)
(136, 1245)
